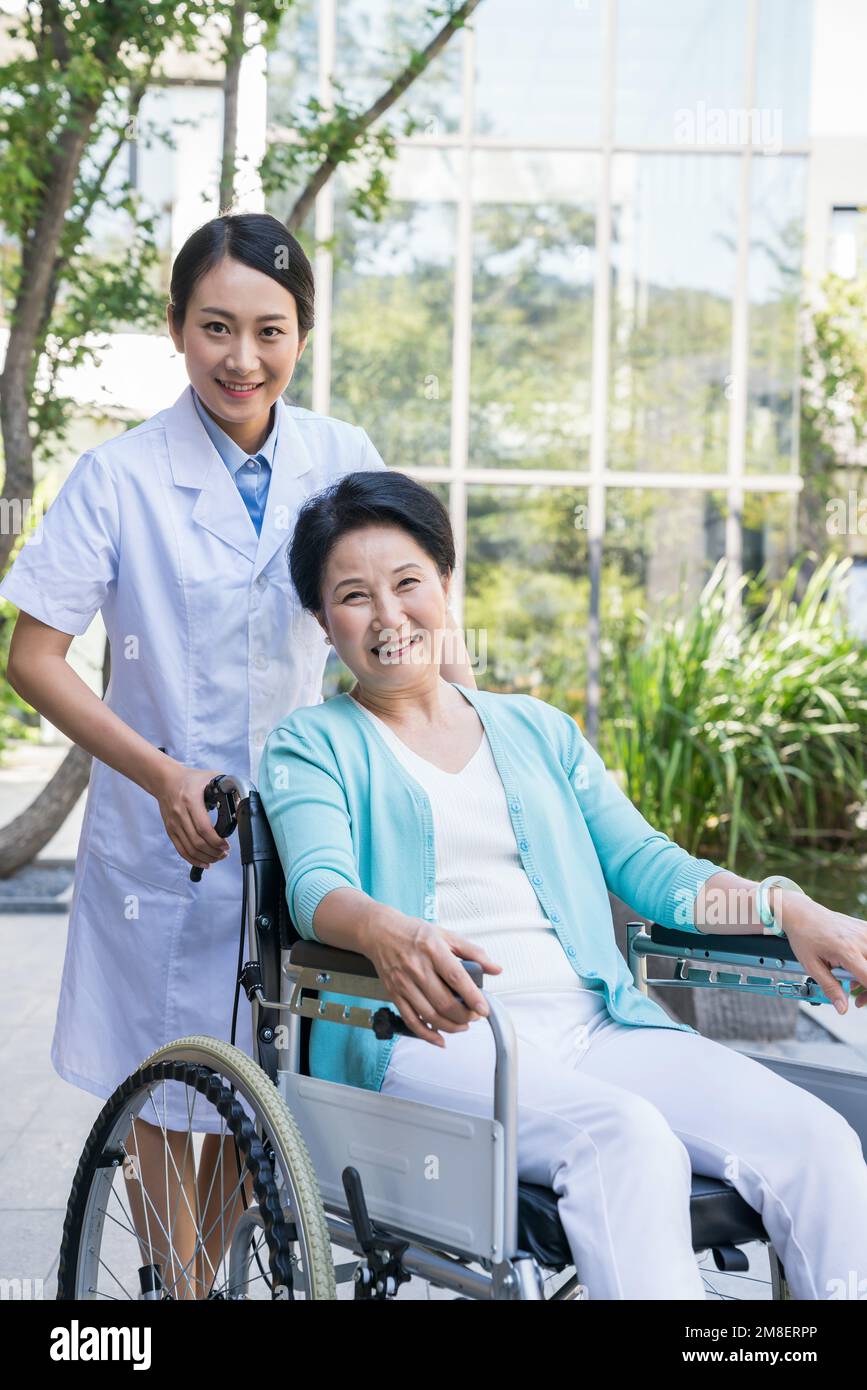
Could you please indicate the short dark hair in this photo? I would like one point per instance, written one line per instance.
(256, 239)
(369, 497)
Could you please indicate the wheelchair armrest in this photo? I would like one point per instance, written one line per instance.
(747, 944)
(317, 956)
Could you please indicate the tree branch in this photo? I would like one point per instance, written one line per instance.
(414, 68)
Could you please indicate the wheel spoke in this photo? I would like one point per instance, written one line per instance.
(181, 1188)
(207, 1237)
(116, 1280)
(148, 1203)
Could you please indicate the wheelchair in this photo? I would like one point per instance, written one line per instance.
(311, 1164)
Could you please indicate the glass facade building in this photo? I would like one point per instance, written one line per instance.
(578, 316)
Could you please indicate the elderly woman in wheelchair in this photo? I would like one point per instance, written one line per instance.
(421, 823)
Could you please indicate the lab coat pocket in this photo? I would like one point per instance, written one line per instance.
(124, 828)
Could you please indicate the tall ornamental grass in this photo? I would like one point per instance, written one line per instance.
(744, 725)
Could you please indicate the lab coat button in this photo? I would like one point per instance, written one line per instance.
(261, 582)
(260, 662)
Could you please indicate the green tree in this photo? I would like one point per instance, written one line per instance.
(833, 405)
(71, 93)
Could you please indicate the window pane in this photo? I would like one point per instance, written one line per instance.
(539, 71)
(847, 242)
(783, 55)
(375, 40)
(527, 591)
(677, 64)
(674, 236)
(177, 175)
(392, 314)
(293, 62)
(533, 267)
(642, 571)
(776, 237)
(769, 535)
(640, 567)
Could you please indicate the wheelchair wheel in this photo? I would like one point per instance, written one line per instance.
(748, 1282)
(149, 1218)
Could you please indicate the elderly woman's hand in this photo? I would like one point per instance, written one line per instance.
(420, 966)
(824, 940)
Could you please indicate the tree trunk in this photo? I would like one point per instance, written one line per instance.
(233, 56)
(23, 838)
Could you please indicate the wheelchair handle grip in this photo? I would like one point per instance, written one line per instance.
(226, 821)
(387, 1022)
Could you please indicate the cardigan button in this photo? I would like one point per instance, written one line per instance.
(516, 805)
(536, 878)
(570, 950)
(524, 845)
(555, 918)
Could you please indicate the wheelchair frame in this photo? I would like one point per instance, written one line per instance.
(380, 1176)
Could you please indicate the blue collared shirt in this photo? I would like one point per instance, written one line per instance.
(252, 473)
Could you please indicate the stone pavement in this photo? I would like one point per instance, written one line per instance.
(44, 1121)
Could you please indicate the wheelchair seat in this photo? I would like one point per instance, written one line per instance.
(720, 1217)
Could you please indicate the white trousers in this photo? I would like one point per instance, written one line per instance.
(615, 1118)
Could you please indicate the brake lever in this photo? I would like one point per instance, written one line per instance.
(227, 820)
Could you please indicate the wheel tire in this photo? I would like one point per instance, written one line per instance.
(204, 1063)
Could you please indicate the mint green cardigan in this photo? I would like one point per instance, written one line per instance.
(345, 814)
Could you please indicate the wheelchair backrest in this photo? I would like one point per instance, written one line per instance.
(275, 930)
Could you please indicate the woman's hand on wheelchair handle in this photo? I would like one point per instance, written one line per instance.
(419, 965)
(824, 940)
(181, 800)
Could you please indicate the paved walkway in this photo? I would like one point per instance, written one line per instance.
(26, 768)
(44, 1121)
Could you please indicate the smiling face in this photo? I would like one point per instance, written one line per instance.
(240, 329)
(384, 608)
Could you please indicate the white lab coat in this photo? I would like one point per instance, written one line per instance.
(210, 650)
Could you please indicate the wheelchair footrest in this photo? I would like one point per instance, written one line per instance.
(381, 1273)
(730, 1259)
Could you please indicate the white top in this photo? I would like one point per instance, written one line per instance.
(482, 890)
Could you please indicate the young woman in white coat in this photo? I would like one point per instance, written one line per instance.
(177, 532)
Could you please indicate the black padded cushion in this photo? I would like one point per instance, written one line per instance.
(775, 947)
(720, 1216)
(317, 956)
